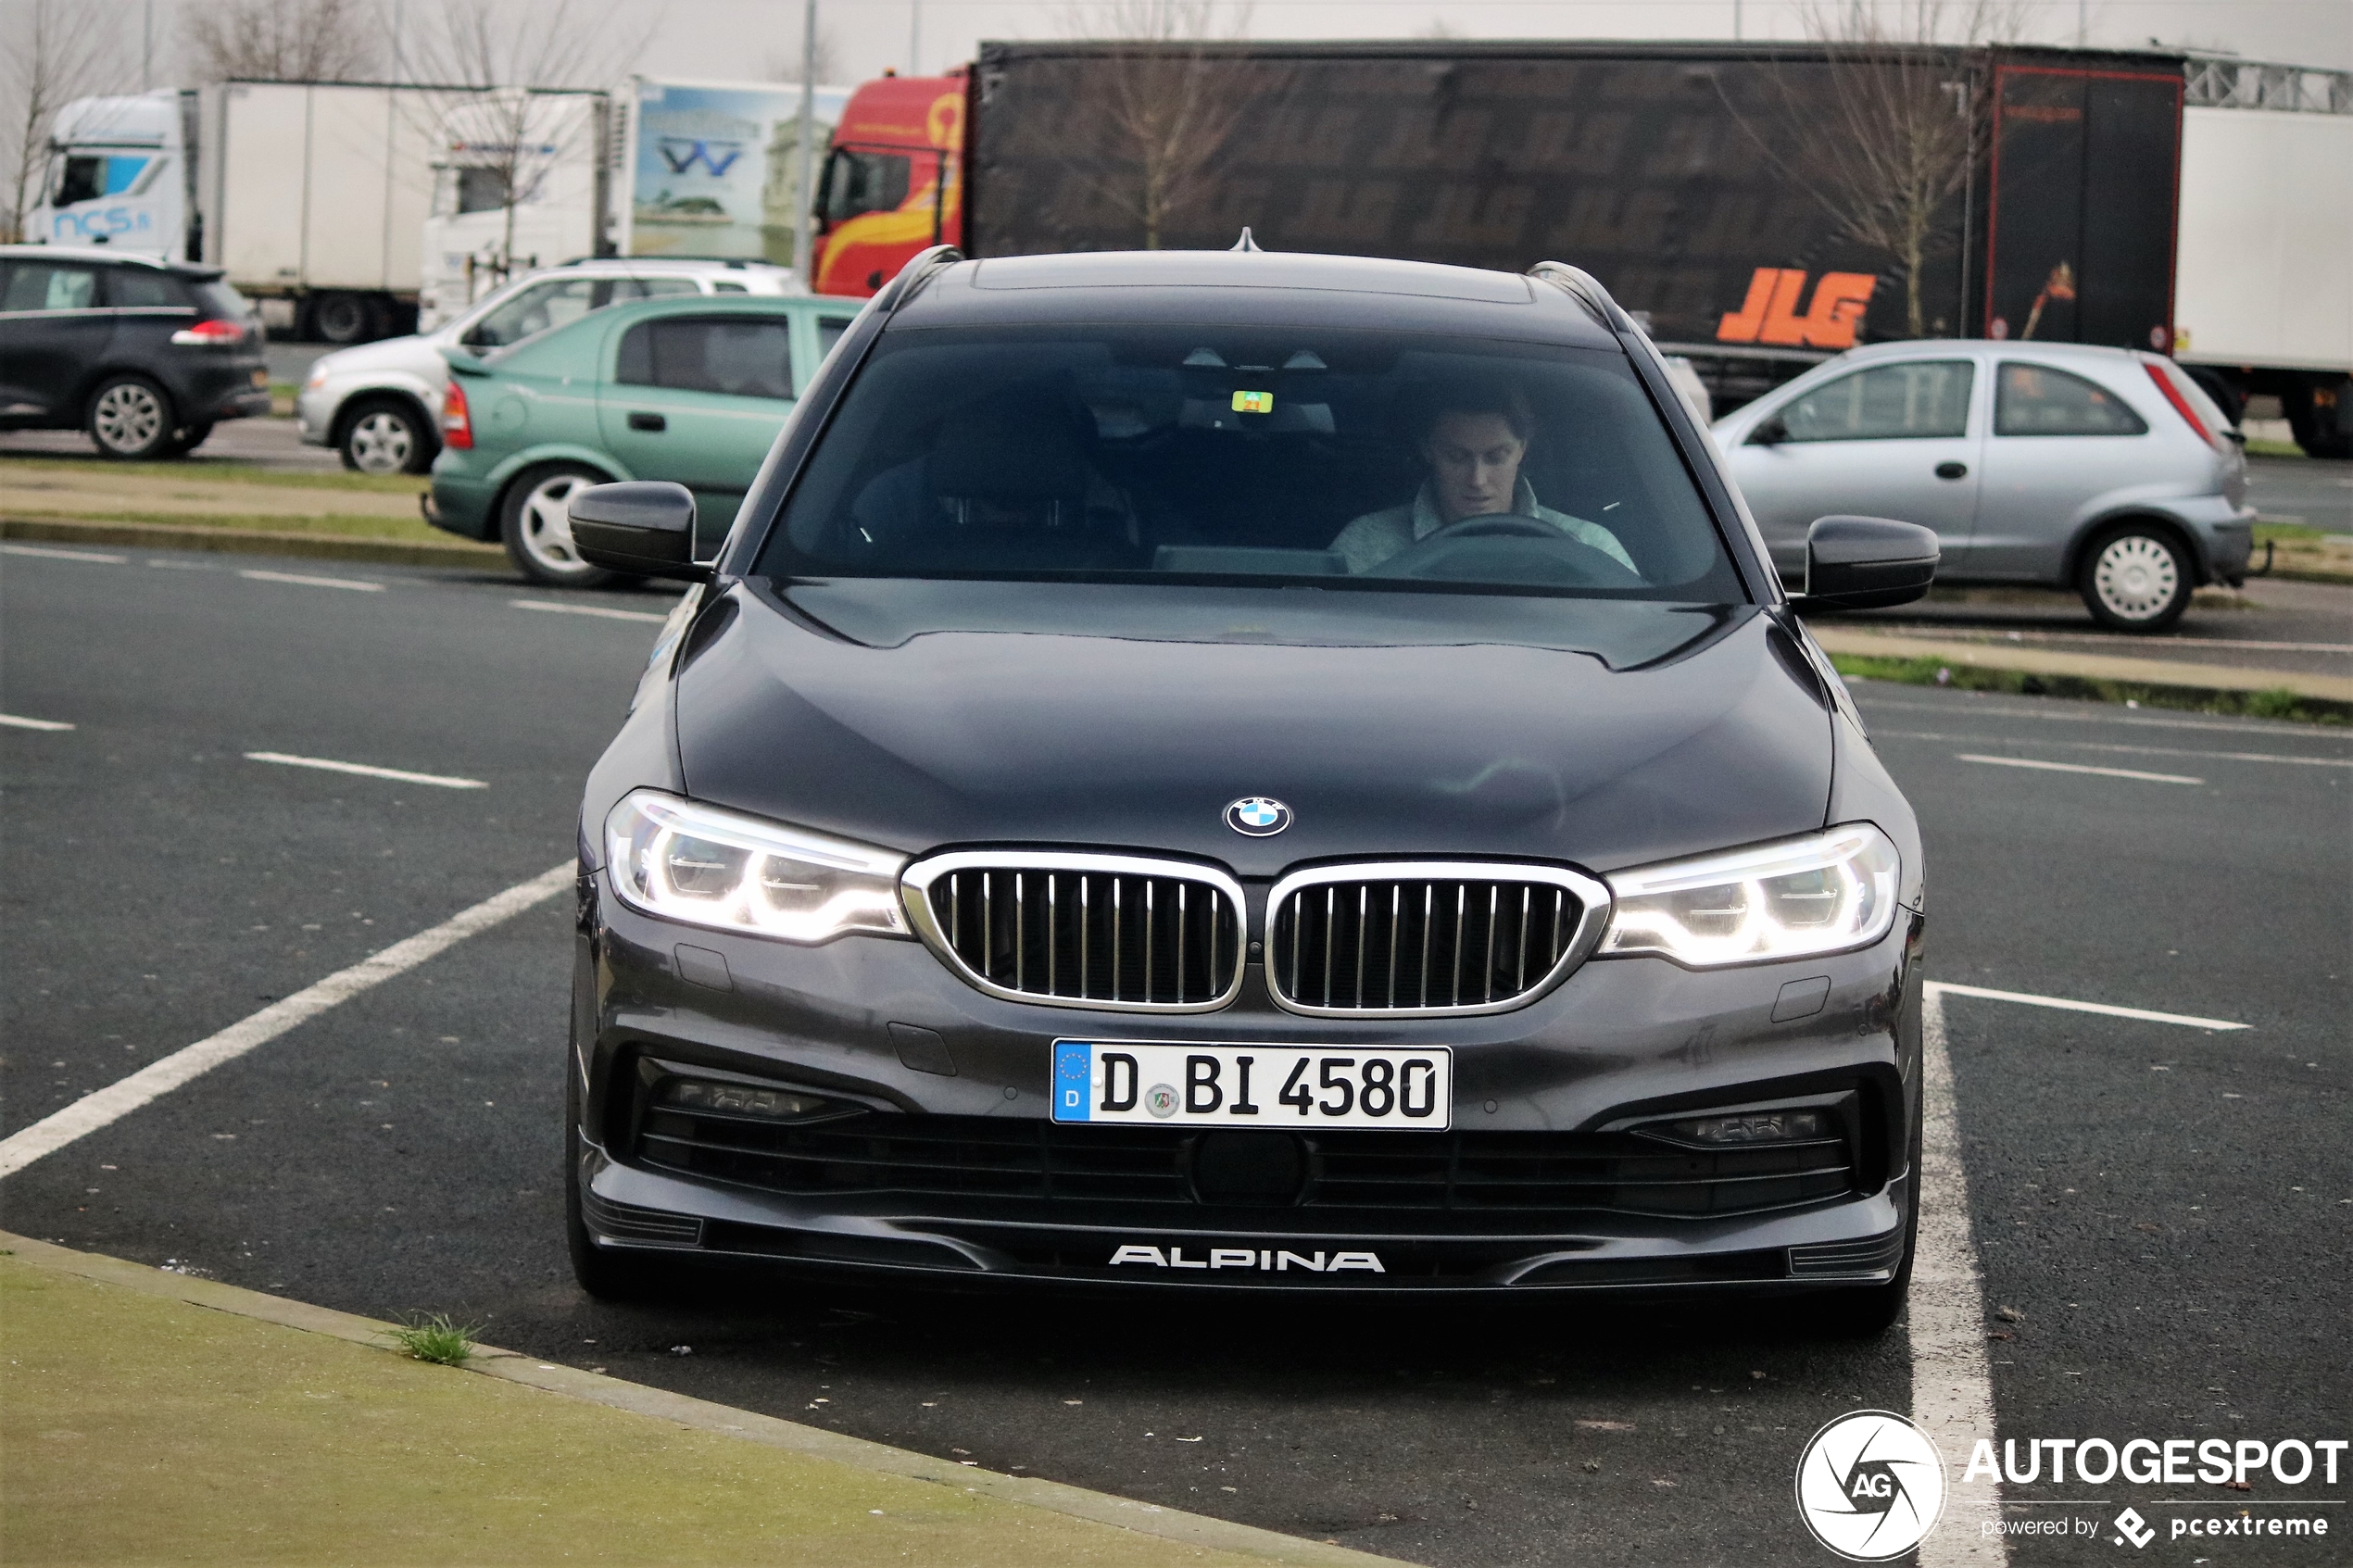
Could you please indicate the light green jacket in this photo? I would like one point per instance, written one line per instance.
(1376, 536)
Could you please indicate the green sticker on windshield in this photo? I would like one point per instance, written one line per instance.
(1253, 403)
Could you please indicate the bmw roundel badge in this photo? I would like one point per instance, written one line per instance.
(1257, 816)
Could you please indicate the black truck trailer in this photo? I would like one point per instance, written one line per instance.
(1723, 193)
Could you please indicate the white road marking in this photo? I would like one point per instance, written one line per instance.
(1977, 707)
(62, 555)
(353, 583)
(16, 722)
(109, 1105)
(1952, 1390)
(2131, 750)
(2079, 768)
(1944, 989)
(598, 610)
(2126, 639)
(444, 781)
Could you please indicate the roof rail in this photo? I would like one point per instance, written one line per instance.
(1586, 289)
(914, 275)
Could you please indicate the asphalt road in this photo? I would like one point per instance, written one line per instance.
(2167, 1209)
(2316, 492)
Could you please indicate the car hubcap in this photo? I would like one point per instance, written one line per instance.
(2137, 577)
(128, 417)
(547, 531)
(380, 443)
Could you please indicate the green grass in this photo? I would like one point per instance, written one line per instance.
(340, 526)
(2280, 532)
(434, 1338)
(2274, 449)
(198, 468)
(2276, 703)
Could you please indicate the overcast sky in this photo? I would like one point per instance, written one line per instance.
(734, 40)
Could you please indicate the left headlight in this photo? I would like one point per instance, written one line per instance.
(705, 866)
(1825, 893)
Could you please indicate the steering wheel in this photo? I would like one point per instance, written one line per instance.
(1461, 551)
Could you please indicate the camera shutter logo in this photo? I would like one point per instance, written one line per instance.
(1870, 1485)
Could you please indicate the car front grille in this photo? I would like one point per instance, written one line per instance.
(1504, 1178)
(1427, 940)
(1078, 930)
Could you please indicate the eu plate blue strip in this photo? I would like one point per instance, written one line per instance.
(1074, 1064)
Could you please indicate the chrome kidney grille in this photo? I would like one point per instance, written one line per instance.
(1427, 939)
(1108, 932)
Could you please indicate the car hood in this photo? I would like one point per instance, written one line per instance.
(417, 356)
(1603, 735)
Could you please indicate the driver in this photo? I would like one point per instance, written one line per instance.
(1473, 438)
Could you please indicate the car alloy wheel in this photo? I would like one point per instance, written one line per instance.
(128, 419)
(380, 441)
(2137, 581)
(538, 530)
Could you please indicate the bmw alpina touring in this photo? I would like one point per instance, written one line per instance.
(1254, 772)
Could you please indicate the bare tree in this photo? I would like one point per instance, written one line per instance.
(63, 52)
(483, 63)
(1165, 110)
(1893, 144)
(282, 39)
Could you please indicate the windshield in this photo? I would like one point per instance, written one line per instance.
(1183, 455)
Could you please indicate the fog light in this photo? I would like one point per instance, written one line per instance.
(742, 1099)
(1756, 1126)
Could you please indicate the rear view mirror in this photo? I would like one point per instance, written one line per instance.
(1772, 432)
(644, 527)
(1865, 563)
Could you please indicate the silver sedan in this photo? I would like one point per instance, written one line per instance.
(2103, 469)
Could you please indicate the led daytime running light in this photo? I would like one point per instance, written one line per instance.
(1801, 898)
(704, 866)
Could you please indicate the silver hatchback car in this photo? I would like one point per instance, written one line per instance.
(2103, 469)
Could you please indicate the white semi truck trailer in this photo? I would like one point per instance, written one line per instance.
(311, 195)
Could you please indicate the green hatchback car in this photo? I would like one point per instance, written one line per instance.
(691, 389)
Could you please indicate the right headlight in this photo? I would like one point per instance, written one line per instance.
(1826, 893)
(704, 865)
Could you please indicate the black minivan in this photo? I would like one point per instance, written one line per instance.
(1249, 772)
(146, 356)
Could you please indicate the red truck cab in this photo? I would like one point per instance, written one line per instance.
(893, 184)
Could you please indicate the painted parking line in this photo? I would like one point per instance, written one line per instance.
(597, 610)
(2122, 749)
(2078, 768)
(17, 721)
(62, 555)
(442, 781)
(1977, 707)
(105, 1107)
(355, 584)
(1945, 1312)
(1948, 988)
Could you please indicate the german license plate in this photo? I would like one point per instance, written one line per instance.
(1188, 1085)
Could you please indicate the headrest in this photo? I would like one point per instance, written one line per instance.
(1012, 454)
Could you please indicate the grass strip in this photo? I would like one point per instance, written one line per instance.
(199, 469)
(1932, 671)
(329, 524)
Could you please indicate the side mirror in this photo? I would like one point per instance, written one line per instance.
(1866, 563)
(1772, 432)
(645, 527)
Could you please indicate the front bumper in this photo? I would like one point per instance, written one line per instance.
(314, 415)
(1547, 1091)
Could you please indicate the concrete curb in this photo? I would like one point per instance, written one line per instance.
(2089, 666)
(1148, 1519)
(254, 542)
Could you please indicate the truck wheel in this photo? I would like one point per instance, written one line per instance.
(386, 438)
(536, 532)
(345, 318)
(131, 418)
(2320, 415)
(2135, 577)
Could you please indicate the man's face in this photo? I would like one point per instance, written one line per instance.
(1474, 459)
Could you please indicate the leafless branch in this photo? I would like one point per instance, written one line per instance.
(282, 40)
(1163, 108)
(63, 51)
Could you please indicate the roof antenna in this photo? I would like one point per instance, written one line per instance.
(1246, 243)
